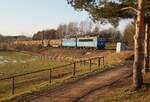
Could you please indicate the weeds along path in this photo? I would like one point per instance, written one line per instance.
(80, 90)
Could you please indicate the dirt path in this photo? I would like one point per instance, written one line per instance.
(83, 90)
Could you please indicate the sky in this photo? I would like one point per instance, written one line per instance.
(26, 17)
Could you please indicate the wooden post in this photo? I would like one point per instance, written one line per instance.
(90, 64)
(146, 50)
(74, 70)
(99, 62)
(84, 62)
(13, 85)
(50, 76)
(103, 61)
(80, 62)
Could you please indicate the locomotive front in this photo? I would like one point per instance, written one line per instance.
(101, 43)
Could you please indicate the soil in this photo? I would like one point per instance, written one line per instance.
(85, 90)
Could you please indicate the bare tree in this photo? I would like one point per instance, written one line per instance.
(72, 28)
(62, 30)
(85, 27)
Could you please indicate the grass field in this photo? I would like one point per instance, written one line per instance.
(14, 63)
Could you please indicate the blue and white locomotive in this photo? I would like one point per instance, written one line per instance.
(84, 42)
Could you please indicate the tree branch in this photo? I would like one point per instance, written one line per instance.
(129, 8)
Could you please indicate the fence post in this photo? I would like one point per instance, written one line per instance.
(103, 61)
(90, 64)
(84, 62)
(13, 86)
(74, 70)
(81, 62)
(50, 75)
(99, 62)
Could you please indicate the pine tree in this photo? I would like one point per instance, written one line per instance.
(110, 10)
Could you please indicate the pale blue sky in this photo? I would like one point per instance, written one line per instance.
(30, 16)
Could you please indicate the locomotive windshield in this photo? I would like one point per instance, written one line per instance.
(85, 40)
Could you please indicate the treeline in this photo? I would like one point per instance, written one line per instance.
(46, 34)
(7, 39)
(79, 29)
(63, 30)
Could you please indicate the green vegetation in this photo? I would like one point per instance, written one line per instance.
(55, 83)
(37, 82)
(110, 46)
(13, 63)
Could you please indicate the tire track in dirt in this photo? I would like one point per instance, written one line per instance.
(74, 92)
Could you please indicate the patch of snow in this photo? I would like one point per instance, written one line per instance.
(1, 57)
(1, 62)
(5, 61)
(14, 61)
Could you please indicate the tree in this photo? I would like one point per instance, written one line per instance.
(138, 47)
(147, 48)
(1, 38)
(96, 30)
(81, 27)
(111, 10)
(62, 30)
(45, 34)
(72, 28)
(85, 27)
(116, 36)
(111, 35)
(128, 35)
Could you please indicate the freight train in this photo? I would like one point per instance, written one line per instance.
(81, 42)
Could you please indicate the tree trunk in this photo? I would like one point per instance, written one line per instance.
(138, 50)
(146, 50)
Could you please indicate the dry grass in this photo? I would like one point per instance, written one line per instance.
(118, 93)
